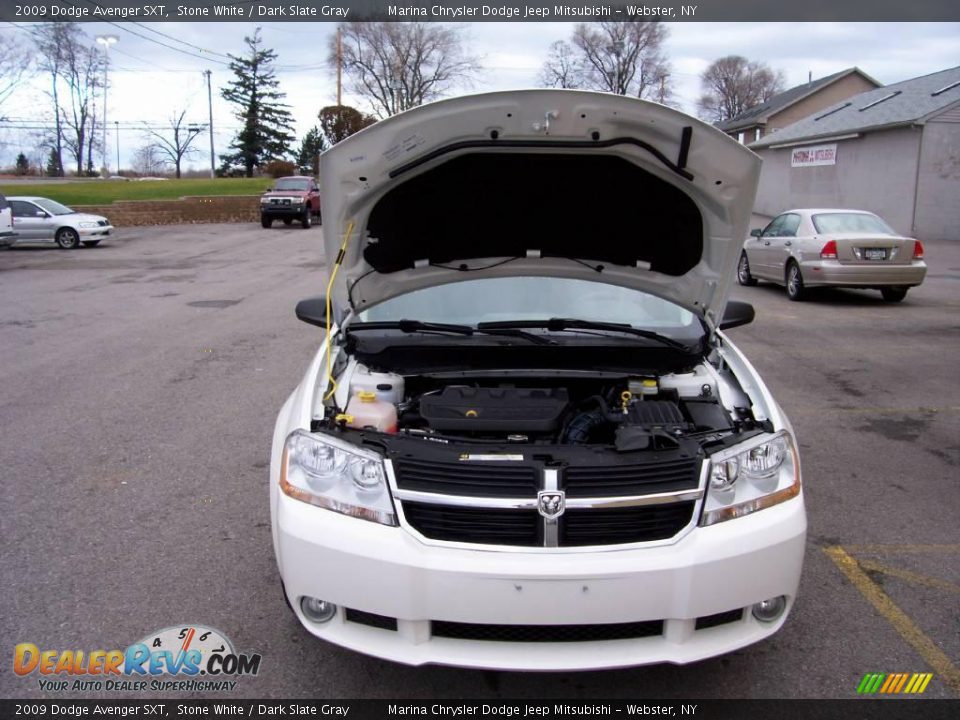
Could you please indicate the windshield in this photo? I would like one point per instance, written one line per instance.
(537, 298)
(851, 223)
(53, 207)
(292, 184)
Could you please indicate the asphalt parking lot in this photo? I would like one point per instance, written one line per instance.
(140, 385)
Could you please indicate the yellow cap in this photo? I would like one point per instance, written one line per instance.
(367, 396)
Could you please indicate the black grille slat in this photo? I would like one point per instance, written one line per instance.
(612, 526)
(470, 479)
(487, 526)
(370, 619)
(639, 479)
(547, 633)
(724, 618)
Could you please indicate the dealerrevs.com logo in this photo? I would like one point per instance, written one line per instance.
(188, 658)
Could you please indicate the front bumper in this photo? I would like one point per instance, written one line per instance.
(831, 272)
(99, 231)
(384, 570)
(281, 211)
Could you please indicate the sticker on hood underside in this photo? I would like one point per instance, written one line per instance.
(487, 458)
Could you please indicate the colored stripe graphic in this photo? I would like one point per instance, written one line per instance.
(894, 683)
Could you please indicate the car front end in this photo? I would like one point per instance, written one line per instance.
(91, 227)
(527, 450)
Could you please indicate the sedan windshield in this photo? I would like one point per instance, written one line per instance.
(505, 300)
(53, 207)
(851, 223)
(292, 184)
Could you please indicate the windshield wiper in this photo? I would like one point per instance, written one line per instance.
(418, 326)
(561, 324)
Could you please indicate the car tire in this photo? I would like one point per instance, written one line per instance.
(893, 294)
(266, 221)
(67, 238)
(91, 243)
(743, 271)
(288, 221)
(306, 220)
(794, 282)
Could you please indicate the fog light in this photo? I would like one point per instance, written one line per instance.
(770, 609)
(316, 610)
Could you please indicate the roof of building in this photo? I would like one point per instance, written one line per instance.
(759, 114)
(903, 103)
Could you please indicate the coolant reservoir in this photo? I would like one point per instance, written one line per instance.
(387, 386)
(366, 410)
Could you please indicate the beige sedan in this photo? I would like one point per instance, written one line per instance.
(808, 248)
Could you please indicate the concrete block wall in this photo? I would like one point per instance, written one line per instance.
(209, 209)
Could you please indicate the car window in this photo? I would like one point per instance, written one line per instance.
(788, 227)
(21, 208)
(53, 207)
(291, 184)
(773, 229)
(535, 298)
(851, 222)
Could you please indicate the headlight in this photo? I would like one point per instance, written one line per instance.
(88, 225)
(756, 474)
(335, 475)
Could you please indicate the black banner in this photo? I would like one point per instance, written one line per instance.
(857, 709)
(473, 11)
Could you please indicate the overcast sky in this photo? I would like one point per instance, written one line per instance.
(149, 81)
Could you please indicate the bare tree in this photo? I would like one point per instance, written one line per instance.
(82, 73)
(733, 84)
(53, 39)
(626, 58)
(176, 148)
(339, 122)
(147, 160)
(397, 66)
(563, 68)
(15, 64)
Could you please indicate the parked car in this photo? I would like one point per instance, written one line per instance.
(7, 236)
(527, 442)
(807, 248)
(41, 220)
(291, 198)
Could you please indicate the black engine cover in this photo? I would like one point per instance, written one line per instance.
(500, 409)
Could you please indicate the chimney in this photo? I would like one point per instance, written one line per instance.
(809, 77)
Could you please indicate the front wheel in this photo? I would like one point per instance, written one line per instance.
(893, 294)
(743, 271)
(67, 238)
(795, 289)
(266, 221)
(306, 219)
(91, 243)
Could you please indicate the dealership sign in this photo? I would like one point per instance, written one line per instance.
(815, 155)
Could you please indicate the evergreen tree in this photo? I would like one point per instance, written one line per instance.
(23, 165)
(310, 148)
(267, 123)
(54, 168)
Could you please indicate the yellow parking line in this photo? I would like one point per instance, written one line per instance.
(895, 549)
(911, 577)
(905, 627)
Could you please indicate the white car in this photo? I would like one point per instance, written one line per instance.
(7, 236)
(813, 247)
(531, 445)
(42, 220)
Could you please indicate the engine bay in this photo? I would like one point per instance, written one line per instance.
(621, 412)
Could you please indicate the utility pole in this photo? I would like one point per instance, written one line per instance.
(106, 41)
(339, 65)
(213, 172)
(117, 124)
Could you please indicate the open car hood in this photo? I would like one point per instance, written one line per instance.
(560, 183)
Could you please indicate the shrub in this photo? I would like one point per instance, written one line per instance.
(279, 168)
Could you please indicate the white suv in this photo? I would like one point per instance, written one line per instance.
(7, 236)
(527, 442)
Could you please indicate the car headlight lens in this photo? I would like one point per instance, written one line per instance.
(88, 225)
(335, 475)
(759, 473)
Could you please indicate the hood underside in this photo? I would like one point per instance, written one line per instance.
(534, 183)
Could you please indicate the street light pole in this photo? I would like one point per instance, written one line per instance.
(117, 125)
(106, 41)
(213, 172)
